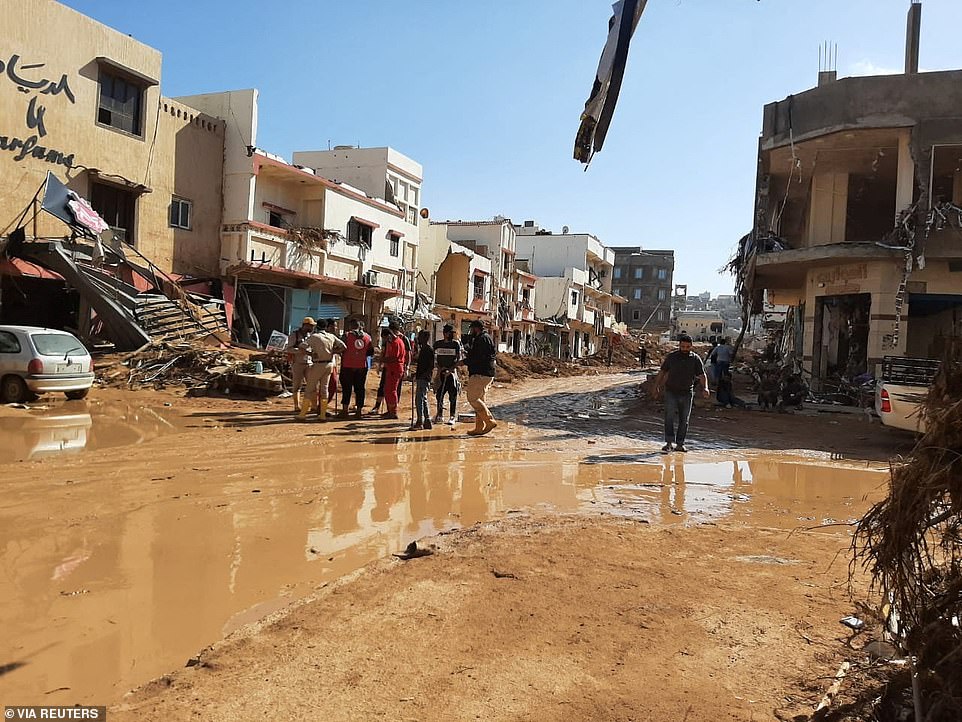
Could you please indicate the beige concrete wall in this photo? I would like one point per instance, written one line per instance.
(62, 91)
(829, 202)
(453, 281)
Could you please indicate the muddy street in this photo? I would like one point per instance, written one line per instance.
(136, 534)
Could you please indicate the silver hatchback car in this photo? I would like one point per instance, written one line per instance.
(36, 361)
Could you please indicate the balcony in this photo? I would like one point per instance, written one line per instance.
(588, 315)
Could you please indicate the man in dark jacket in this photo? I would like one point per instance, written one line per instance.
(680, 372)
(480, 360)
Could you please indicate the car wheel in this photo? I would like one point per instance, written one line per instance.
(77, 395)
(13, 390)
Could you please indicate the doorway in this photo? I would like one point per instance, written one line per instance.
(841, 336)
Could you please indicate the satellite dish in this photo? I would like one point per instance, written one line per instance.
(564, 229)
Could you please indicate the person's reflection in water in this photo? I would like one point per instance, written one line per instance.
(346, 500)
(388, 491)
(474, 506)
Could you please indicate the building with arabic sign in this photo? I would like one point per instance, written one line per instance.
(91, 112)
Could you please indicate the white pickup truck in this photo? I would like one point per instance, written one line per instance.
(901, 388)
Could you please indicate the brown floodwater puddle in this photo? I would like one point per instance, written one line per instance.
(63, 428)
(101, 602)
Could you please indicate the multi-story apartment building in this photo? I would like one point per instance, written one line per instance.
(857, 216)
(644, 278)
(297, 242)
(573, 289)
(91, 114)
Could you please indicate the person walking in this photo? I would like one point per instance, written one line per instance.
(480, 360)
(354, 365)
(300, 360)
(394, 361)
(323, 347)
(448, 354)
(423, 371)
(679, 374)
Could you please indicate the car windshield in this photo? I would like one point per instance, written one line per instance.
(57, 344)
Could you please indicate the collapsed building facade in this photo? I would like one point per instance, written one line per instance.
(857, 218)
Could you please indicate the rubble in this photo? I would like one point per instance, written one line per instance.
(197, 367)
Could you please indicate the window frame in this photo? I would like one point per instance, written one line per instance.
(394, 245)
(662, 274)
(636, 294)
(180, 203)
(139, 119)
(639, 273)
(617, 272)
(635, 314)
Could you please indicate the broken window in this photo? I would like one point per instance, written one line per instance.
(358, 234)
(478, 288)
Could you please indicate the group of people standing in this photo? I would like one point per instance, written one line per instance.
(312, 352)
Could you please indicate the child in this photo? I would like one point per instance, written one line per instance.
(422, 379)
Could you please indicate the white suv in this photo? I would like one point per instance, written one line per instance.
(35, 361)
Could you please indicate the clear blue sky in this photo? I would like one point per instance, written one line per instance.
(486, 95)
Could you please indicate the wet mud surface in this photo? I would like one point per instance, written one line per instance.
(134, 534)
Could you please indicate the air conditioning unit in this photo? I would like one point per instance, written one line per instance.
(369, 278)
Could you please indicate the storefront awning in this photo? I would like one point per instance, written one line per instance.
(266, 273)
(20, 267)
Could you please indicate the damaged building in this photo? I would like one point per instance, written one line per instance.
(857, 218)
(87, 117)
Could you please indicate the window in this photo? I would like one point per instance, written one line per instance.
(120, 103)
(478, 287)
(276, 219)
(617, 272)
(358, 234)
(9, 343)
(116, 206)
(574, 298)
(395, 245)
(637, 294)
(662, 274)
(526, 297)
(661, 314)
(639, 273)
(412, 215)
(635, 315)
(180, 211)
(662, 294)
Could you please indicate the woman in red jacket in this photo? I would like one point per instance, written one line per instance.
(394, 360)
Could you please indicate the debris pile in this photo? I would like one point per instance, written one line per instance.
(911, 542)
(157, 365)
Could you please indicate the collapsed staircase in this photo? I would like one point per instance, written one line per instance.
(131, 318)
